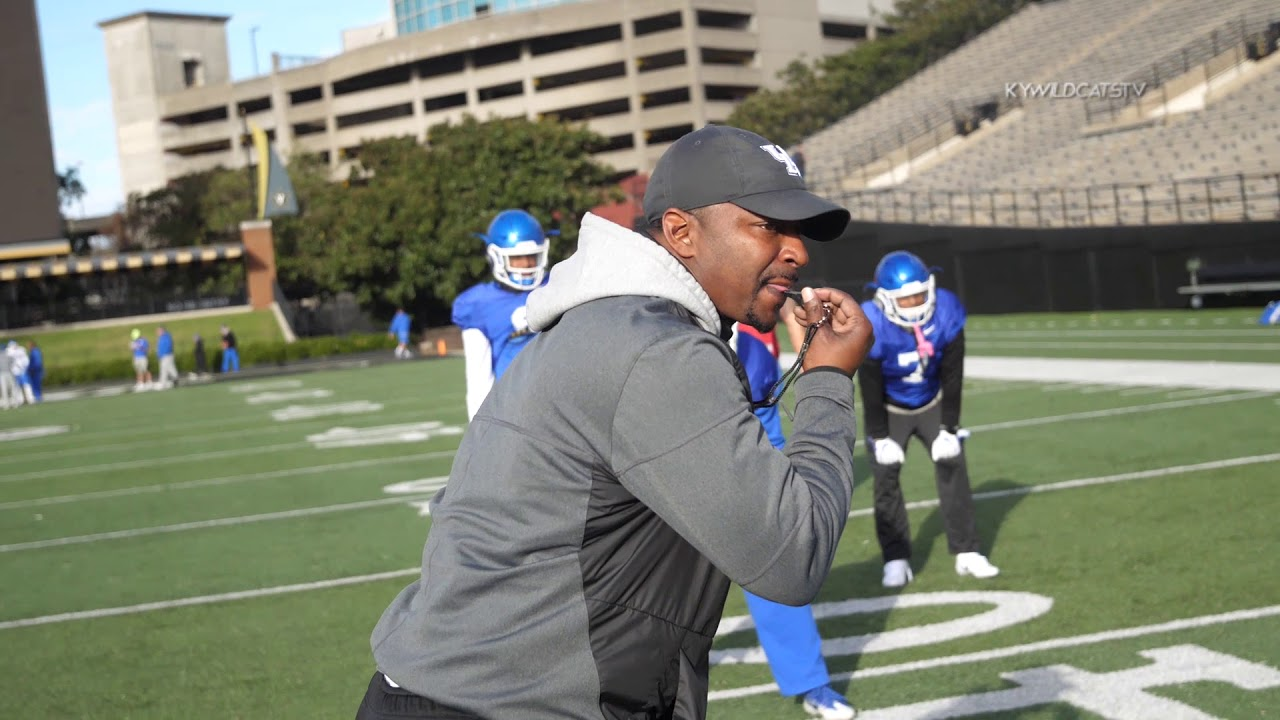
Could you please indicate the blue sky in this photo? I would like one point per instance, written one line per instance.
(75, 66)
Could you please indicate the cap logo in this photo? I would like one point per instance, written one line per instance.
(781, 156)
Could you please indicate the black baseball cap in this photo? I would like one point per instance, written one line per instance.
(718, 164)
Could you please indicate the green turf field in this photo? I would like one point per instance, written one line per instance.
(187, 554)
(64, 347)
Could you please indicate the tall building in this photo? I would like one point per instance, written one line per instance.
(29, 183)
(418, 15)
(641, 73)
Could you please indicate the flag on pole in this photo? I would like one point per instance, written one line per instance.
(275, 191)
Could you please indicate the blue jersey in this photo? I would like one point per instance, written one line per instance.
(140, 347)
(496, 311)
(758, 359)
(906, 383)
(37, 362)
(164, 345)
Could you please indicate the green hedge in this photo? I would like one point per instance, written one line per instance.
(255, 354)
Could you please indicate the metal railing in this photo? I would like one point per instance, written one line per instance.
(923, 132)
(1213, 53)
(1242, 197)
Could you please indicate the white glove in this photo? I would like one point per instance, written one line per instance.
(945, 447)
(888, 452)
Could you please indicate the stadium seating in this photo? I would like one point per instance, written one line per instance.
(1045, 151)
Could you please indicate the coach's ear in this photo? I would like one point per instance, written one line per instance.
(677, 233)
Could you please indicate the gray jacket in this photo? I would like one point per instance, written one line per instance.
(610, 486)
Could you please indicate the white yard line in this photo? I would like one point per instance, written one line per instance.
(1099, 480)
(225, 480)
(78, 438)
(151, 462)
(290, 514)
(208, 599)
(1015, 650)
(1011, 424)
(1111, 412)
(202, 524)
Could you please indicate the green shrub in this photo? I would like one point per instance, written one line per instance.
(253, 354)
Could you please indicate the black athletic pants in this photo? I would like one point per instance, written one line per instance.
(893, 529)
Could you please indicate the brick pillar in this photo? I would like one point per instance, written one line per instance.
(260, 262)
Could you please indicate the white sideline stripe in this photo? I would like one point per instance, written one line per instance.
(1100, 480)
(201, 524)
(1168, 373)
(208, 599)
(1111, 345)
(226, 480)
(152, 462)
(1014, 650)
(1129, 410)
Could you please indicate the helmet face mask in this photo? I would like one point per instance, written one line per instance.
(517, 234)
(901, 275)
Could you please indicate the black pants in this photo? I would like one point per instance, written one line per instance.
(383, 702)
(893, 529)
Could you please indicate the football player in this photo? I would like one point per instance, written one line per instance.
(492, 314)
(911, 384)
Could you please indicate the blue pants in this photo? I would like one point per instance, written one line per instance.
(789, 636)
(230, 360)
(37, 384)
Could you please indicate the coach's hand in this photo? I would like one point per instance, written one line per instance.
(844, 340)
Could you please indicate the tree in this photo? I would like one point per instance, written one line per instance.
(70, 188)
(401, 231)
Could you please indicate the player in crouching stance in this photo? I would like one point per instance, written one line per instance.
(492, 314)
(911, 384)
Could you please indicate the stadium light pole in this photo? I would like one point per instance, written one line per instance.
(253, 47)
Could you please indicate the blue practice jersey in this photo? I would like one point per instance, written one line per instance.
(758, 359)
(140, 347)
(905, 383)
(493, 309)
(400, 324)
(164, 345)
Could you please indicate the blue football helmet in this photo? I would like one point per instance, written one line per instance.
(901, 274)
(512, 234)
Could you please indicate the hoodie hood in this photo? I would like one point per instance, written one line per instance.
(612, 261)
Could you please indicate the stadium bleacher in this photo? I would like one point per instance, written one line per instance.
(1029, 160)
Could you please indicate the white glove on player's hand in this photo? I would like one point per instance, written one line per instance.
(945, 447)
(888, 452)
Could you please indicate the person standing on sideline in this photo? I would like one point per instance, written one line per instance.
(230, 352)
(492, 314)
(18, 364)
(35, 370)
(400, 331)
(615, 480)
(164, 351)
(789, 635)
(911, 384)
(141, 363)
(201, 360)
